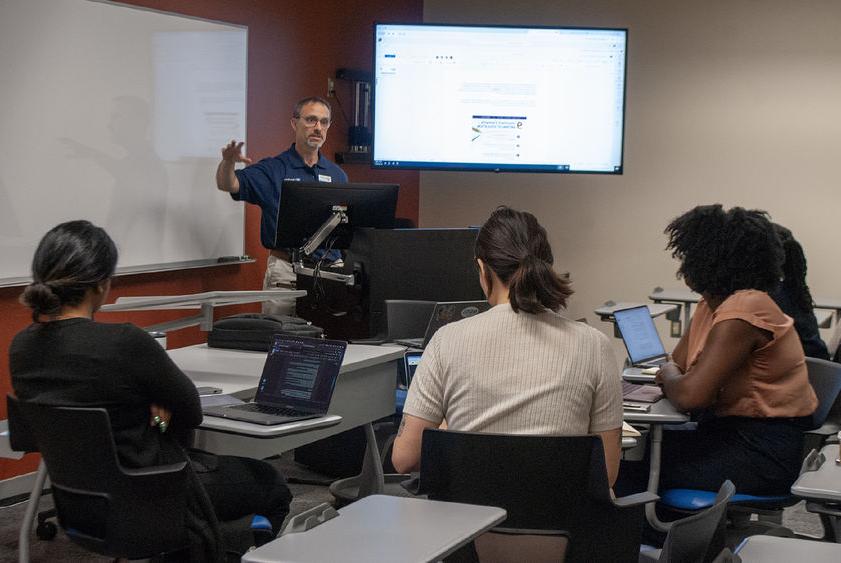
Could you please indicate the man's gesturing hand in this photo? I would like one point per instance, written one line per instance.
(232, 152)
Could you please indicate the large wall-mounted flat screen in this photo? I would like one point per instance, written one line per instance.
(531, 99)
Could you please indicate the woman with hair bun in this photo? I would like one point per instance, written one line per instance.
(65, 358)
(520, 367)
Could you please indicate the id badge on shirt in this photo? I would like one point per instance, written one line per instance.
(324, 178)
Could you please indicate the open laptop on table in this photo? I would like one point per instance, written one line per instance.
(445, 312)
(297, 382)
(645, 349)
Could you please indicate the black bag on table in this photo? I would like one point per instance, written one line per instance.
(254, 331)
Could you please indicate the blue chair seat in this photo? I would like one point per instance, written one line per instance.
(694, 499)
(261, 523)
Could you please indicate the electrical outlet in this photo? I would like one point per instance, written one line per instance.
(331, 87)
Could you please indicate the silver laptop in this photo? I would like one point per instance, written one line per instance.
(645, 349)
(297, 382)
(445, 312)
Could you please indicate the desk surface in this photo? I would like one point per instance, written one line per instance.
(241, 428)
(364, 393)
(825, 482)
(194, 301)
(657, 309)
(384, 529)
(771, 549)
(681, 295)
(661, 412)
(238, 371)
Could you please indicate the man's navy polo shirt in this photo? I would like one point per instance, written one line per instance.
(260, 184)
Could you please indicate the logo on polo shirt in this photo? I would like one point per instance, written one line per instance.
(324, 178)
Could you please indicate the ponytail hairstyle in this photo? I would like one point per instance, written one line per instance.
(514, 246)
(71, 258)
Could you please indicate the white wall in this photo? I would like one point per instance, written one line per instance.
(730, 101)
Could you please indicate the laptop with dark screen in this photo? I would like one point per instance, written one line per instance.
(445, 312)
(297, 382)
(645, 349)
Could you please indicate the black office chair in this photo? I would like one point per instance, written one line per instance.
(102, 506)
(696, 538)
(549, 485)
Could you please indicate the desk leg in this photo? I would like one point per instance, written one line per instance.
(654, 478)
(29, 516)
(372, 478)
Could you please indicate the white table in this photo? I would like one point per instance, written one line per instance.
(364, 393)
(823, 483)
(384, 529)
(605, 312)
(662, 412)
(832, 303)
(825, 308)
(821, 487)
(771, 549)
(205, 302)
(682, 297)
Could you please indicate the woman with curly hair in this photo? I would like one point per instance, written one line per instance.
(792, 295)
(740, 367)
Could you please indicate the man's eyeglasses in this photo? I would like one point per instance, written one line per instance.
(311, 120)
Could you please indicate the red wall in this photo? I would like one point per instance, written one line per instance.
(293, 46)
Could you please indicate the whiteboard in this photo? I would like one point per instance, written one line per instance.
(117, 115)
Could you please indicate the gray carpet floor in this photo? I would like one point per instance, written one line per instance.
(306, 496)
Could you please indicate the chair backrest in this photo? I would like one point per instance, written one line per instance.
(825, 378)
(407, 318)
(115, 511)
(689, 538)
(547, 484)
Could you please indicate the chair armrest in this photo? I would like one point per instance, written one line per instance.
(154, 470)
(637, 499)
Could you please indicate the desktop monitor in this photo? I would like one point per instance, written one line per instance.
(305, 206)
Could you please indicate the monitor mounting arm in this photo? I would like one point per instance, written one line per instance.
(338, 217)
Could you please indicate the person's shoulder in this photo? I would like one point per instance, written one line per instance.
(581, 330)
(122, 334)
(749, 300)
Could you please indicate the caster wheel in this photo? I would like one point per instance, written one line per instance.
(46, 530)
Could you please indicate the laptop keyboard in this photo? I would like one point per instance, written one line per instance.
(264, 409)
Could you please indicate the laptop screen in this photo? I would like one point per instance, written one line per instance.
(412, 360)
(639, 333)
(446, 312)
(301, 372)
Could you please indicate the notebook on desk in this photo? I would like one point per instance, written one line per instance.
(645, 349)
(297, 382)
(445, 312)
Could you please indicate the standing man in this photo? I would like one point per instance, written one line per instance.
(260, 184)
